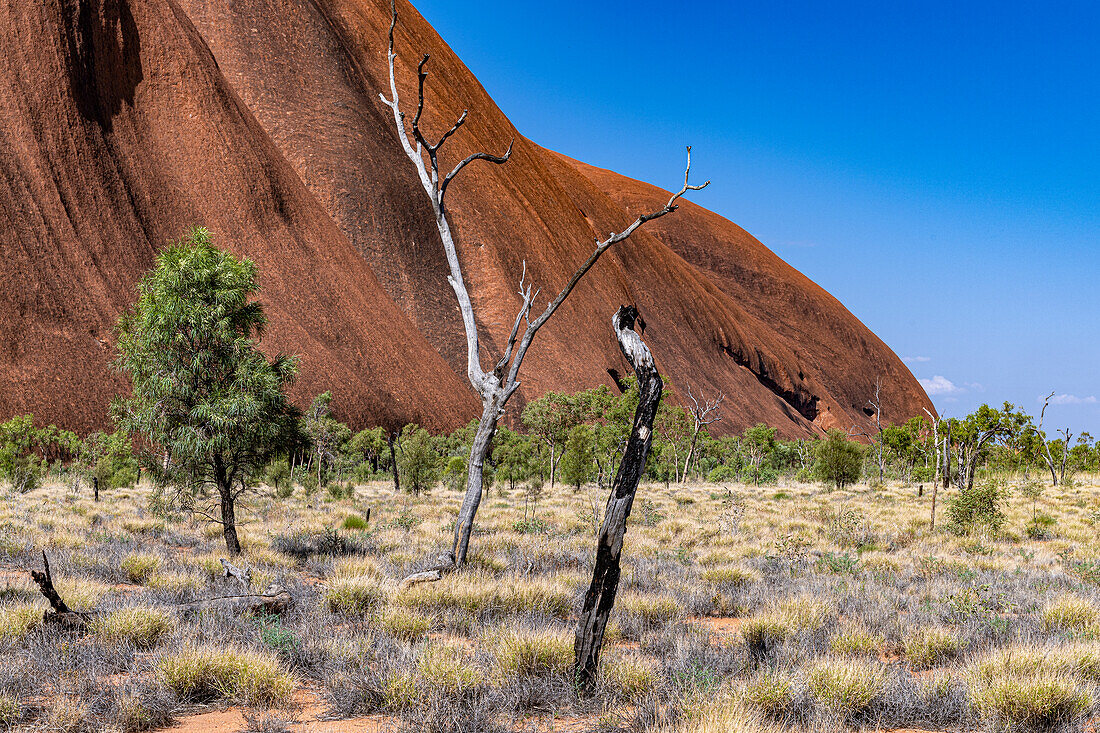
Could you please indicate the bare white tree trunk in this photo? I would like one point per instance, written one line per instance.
(702, 414)
(936, 479)
(1046, 445)
(498, 385)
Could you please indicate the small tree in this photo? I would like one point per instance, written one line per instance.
(203, 393)
(577, 461)
(365, 449)
(759, 444)
(979, 505)
(417, 461)
(839, 460)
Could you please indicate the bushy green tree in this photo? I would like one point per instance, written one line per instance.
(514, 456)
(759, 445)
(201, 389)
(577, 461)
(110, 459)
(454, 474)
(417, 461)
(365, 451)
(839, 460)
(19, 465)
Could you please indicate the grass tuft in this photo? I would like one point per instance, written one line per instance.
(207, 673)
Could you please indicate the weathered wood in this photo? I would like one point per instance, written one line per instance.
(495, 386)
(59, 614)
(445, 565)
(600, 598)
(244, 577)
(275, 600)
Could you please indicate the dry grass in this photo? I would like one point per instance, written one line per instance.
(808, 610)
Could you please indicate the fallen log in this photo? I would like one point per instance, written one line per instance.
(446, 564)
(273, 601)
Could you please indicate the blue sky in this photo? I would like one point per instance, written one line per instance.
(936, 166)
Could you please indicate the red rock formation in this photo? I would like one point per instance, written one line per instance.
(127, 121)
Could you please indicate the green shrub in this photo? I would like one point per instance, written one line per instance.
(403, 623)
(354, 522)
(847, 688)
(278, 477)
(1040, 527)
(1071, 613)
(417, 461)
(139, 567)
(17, 619)
(454, 475)
(771, 692)
(929, 648)
(353, 594)
(857, 642)
(10, 710)
(979, 506)
(534, 653)
(628, 677)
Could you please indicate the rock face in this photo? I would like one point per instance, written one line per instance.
(127, 121)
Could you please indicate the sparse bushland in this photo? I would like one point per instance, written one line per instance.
(785, 607)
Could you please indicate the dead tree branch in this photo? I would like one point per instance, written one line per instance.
(497, 386)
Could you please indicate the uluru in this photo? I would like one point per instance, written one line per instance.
(127, 121)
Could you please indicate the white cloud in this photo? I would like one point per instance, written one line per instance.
(939, 385)
(1071, 399)
(916, 359)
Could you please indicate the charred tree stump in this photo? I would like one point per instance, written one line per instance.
(95, 487)
(600, 598)
(60, 613)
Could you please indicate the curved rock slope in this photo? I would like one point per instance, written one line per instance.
(127, 121)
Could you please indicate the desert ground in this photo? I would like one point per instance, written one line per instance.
(741, 608)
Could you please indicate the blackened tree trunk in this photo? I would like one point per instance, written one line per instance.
(600, 597)
(226, 499)
(393, 464)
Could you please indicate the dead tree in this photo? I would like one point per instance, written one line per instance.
(600, 598)
(1067, 436)
(876, 439)
(496, 385)
(1046, 444)
(60, 613)
(275, 600)
(702, 414)
(393, 462)
(936, 479)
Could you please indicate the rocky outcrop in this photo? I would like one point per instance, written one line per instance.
(126, 121)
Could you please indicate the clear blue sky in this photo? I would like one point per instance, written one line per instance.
(936, 167)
